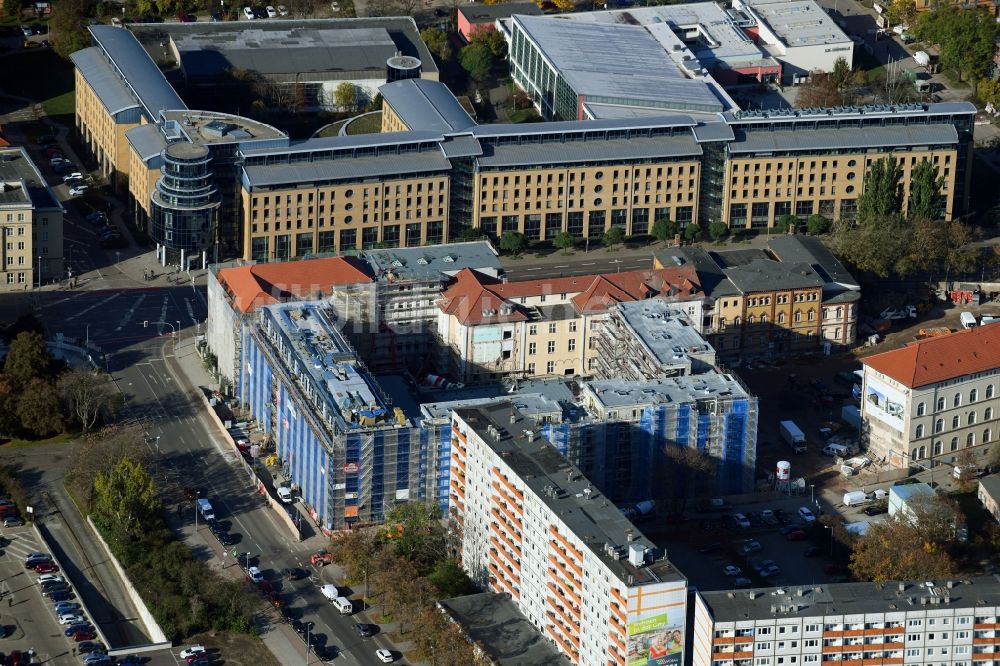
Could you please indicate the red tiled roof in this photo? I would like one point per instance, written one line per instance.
(472, 293)
(942, 358)
(263, 284)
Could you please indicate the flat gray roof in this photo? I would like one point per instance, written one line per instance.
(812, 251)
(211, 127)
(295, 46)
(333, 144)
(798, 22)
(426, 105)
(138, 70)
(768, 116)
(981, 592)
(847, 138)
(104, 79)
(146, 140)
(590, 150)
(641, 68)
(991, 484)
(713, 281)
(479, 13)
(660, 121)
(345, 168)
(568, 494)
(493, 622)
(617, 393)
(433, 261)
(24, 183)
(664, 330)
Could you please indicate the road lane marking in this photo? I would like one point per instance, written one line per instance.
(95, 305)
(127, 317)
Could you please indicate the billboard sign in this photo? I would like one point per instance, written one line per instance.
(656, 638)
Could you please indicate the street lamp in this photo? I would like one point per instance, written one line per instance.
(197, 494)
(308, 626)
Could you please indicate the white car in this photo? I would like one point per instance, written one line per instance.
(76, 175)
(77, 190)
(58, 159)
(71, 618)
(255, 575)
(741, 521)
(732, 570)
(248, 12)
(806, 515)
(385, 656)
(51, 578)
(193, 651)
(271, 12)
(285, 495)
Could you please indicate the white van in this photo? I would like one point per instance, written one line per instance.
(836, 450)
(330, 591)
(855, 498)
(968, 320)
(344, 605)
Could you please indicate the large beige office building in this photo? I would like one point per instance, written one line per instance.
(433, 172)
(32, 222)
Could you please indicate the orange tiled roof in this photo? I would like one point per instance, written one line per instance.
(472, 293)
(264, 284)
(939, 359)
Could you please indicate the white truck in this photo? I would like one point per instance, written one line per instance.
(205, 509)
(855, 498)
(792, 434)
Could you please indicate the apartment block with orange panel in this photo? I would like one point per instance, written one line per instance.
(949, 622)
(536, 529)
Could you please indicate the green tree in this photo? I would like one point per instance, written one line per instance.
(564, 240)
(613, 236)
(513, 242)
(817, 224)
(66, 26)
(415, 532)
(28, 358)
(875, 247)
(692, 232)
(477, 60)
(437, 43)
(10, 424)
(346, 96)
(718, 230)
(38, 408)
(12, 8)
(471, 234)
(784, 223)
(491, 39)
(901, 12)
(925, 200)
(664, 229)
(881, 197)
(125, 501)
(967, 39)
(449, 579)
(357, 551)
(87, 395)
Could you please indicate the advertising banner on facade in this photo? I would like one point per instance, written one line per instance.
(657, 640)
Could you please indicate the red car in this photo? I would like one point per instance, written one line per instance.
(266, 588)
(46, 567)
(83, 636)
(797, 535)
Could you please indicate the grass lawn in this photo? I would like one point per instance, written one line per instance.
(57, 439)
(52, 85)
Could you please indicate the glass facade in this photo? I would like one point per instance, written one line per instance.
(185, 202)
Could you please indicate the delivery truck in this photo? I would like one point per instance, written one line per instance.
(205, 509)
(792, 434)
(855, 498)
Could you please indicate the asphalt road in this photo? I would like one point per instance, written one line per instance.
(192, 453)
(575, 264)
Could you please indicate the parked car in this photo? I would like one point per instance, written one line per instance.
(384, 656)
(61, 595)
(31, 560)
(81, 636)
(77, 190)
(742, 582)
(78, 626)
(366, 630)
(87, 647)
(248, 13)
(806, 515)
(12, 521)
(797, 535)
(874, 510)
(301, 628)
(254, 574)
(271, 12)
(789, 528)
(97, 218)
(193, 651)
(321, 558)
(751, 546)
(285, 494)
(71, 618)
(50, 578)
(732, 570)
(66, 607)
(46, 567)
